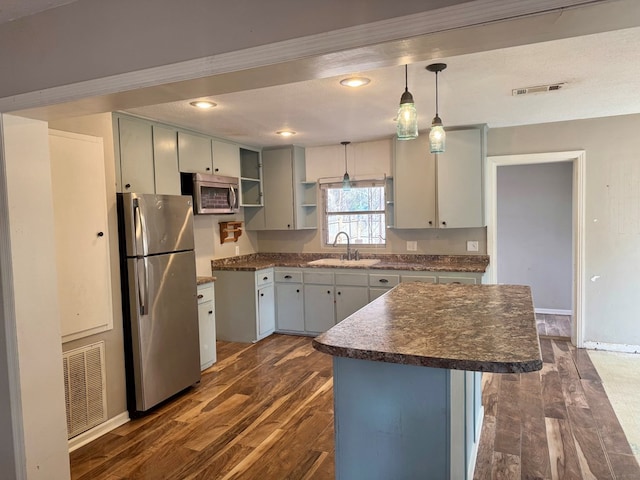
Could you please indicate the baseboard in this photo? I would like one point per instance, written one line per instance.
(612, 347)
(97, 431)
(553, 311)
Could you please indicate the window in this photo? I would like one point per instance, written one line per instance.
(358, 211)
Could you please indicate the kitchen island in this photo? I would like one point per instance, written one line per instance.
(407, 387)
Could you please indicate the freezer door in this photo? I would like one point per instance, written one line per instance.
(164, 326)
(155, 224)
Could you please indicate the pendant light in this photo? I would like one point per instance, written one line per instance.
(437, 135)
(407, 127)
(346, 181)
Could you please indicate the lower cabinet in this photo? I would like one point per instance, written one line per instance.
(245, 305)
(289, 301)
(319, 313)
(207, 323)
(352, 293)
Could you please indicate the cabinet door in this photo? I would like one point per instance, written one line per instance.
(266, 311)
(375, 292)
(290, 307)
(319, 313)
(278, 189)
(81, 234)
(165, 155)
(414, 184)
(226, 159)
(194, 153)
(460, 202)
(350, 299)
(136, 156)
(207, 334)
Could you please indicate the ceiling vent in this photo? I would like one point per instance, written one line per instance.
(539, 89)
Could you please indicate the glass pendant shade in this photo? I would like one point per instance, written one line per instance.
(437, 136)
(346, 181)
(407, 123)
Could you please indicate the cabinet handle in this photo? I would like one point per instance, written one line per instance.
(329, 292)
(208, 169)
(339, 293)
(298, 290)
(210, 312)
(216, 169)
(430, 222)
(287, 276)
(444, 223)
(383, 280)
(456, 283)
(101, 234)
(262, 294)
(288, 225)
(265, 278)
(200, 296)
(128, 185)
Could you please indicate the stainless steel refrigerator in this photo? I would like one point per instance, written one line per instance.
(159, 297)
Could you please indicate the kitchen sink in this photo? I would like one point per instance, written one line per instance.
(336, 262)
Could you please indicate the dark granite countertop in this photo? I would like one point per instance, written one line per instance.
(201, 280)
(486, 328)
(429, 263)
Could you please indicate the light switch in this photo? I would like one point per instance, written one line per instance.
(412, 246)
(472, 245)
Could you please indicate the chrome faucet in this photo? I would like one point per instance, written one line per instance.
(335, 241)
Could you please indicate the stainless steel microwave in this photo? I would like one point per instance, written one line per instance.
(212, 194)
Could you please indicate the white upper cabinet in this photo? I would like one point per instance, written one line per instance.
(226, 158)
(165, 155)
(136, 156)
(194, 153)
(443, 190)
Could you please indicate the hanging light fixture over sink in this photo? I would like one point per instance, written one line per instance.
(346, 181)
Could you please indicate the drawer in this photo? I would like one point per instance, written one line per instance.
(288, 276)
(264, 277)
(382, 280)
(352, 279)
(419, 278)
(319, 278)
(205, 293)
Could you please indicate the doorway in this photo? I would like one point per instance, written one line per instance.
(577, 159)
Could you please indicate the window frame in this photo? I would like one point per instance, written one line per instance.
(354, 184)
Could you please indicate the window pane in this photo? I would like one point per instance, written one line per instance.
(356, 199)
(366, 228)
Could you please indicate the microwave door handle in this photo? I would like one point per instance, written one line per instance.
(232, 194)
(143, 285)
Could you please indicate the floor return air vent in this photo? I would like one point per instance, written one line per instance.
(84, 388)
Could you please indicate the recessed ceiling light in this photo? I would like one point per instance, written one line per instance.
(203, 104)
(285, 133)
(354, 82)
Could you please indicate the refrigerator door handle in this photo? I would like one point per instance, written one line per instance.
(143, 286)
(140, 226)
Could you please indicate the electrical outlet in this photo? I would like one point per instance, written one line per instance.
(472, 245)
(237, 250)
(412, 246)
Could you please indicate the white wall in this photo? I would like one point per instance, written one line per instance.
(612, 234)
(534, 223)
(42, 404)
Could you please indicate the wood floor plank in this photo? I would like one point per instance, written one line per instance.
(484, 459)
(591, 456)
(508, 425)
(490, 389)
(562, 450)
(534, 461)
(554, 402)
(505, 466)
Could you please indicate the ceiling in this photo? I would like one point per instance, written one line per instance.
(600, 72)
(14, 9)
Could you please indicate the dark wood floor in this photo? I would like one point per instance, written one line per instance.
(265, 411)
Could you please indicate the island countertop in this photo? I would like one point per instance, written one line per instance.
(486, 328)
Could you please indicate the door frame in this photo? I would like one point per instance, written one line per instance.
(578, 159)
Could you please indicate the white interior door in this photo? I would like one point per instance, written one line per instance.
(81, 234)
